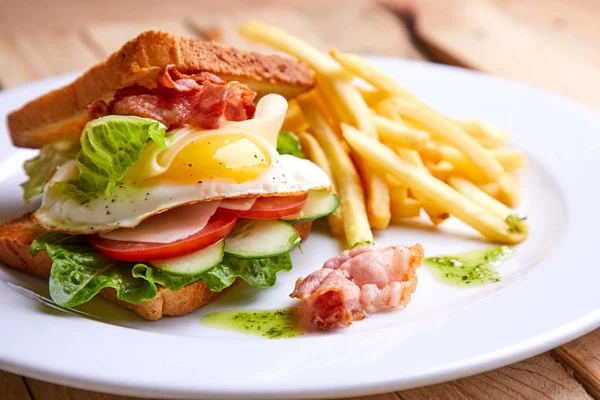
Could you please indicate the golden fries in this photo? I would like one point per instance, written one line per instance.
(441, 170)
(359, 67)
(396, 134)
(451, 133)
(354, 213)
(279, 39)
(370, 96)
(487, 134)
(316, 154)
(294, 120)
(484, 200)
(391, 155)
(410, 208)
(436, 214)
(491, 188)
(433, 189)
(510, 159)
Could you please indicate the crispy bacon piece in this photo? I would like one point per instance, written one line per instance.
(201, 99)
(357, 283)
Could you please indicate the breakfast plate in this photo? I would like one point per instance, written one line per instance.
(547, 294)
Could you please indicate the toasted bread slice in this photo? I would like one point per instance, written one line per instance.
(16, 237)
(63, 112)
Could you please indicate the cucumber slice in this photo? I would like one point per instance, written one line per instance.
(258, 238)
(193, 263)
(319, 203)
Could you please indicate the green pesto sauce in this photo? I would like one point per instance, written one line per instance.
(273, 324)
(471, 268)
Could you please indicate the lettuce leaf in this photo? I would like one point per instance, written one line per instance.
(41, 168)
(79, 272)
(110, 146)
(288, 143)
(257, 272)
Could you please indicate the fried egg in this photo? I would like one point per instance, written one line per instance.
(238, 160)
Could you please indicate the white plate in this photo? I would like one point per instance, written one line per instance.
(548, 295)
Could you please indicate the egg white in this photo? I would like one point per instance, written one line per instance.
(127, 206)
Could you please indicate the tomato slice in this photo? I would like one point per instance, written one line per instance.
(274, 207)
(303, 229)
(219, 226)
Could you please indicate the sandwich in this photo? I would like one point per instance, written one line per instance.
(164, 177)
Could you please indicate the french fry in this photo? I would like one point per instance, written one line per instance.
(354, 212)
(435, 214)
(362, 68)
(510, 158)
(386, 109)
(510, 194)
(317, 155)
(294, 120)
(402, 206)
(441, 170)
(371, 96)
(431, 152)
(280, 40)
(378, 197)
(410, 208)
(486, 133)
(453, 134)
(440, 194)
(491, 188)
(408, 105)
(351, 108)
(398, 194)
(484, 200)
(395, 134)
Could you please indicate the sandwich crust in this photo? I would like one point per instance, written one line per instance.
(63, 111)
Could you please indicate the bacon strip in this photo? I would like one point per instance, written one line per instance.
(357, 283)
(201, 99)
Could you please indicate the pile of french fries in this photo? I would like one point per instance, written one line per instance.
(391, 156)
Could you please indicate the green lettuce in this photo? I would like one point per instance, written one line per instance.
(42, 167)
(79, 272)
(288, 143)
(110, 146)
(257, 272)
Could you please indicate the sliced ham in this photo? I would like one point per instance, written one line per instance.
(357, 283)
(201, 99)
(170, 226)
(238, 204)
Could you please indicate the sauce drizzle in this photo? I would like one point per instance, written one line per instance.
(273, 324)
(471, 268)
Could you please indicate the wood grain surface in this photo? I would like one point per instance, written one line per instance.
(554, 46)
(479, 34)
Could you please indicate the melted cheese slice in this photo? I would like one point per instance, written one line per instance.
(171, 226)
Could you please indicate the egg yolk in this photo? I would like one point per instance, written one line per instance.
(239, 157)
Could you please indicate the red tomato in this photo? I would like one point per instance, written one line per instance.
(217, 228)
(274, 207)
(303, 229)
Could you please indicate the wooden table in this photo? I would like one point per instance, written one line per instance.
(553, 45)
